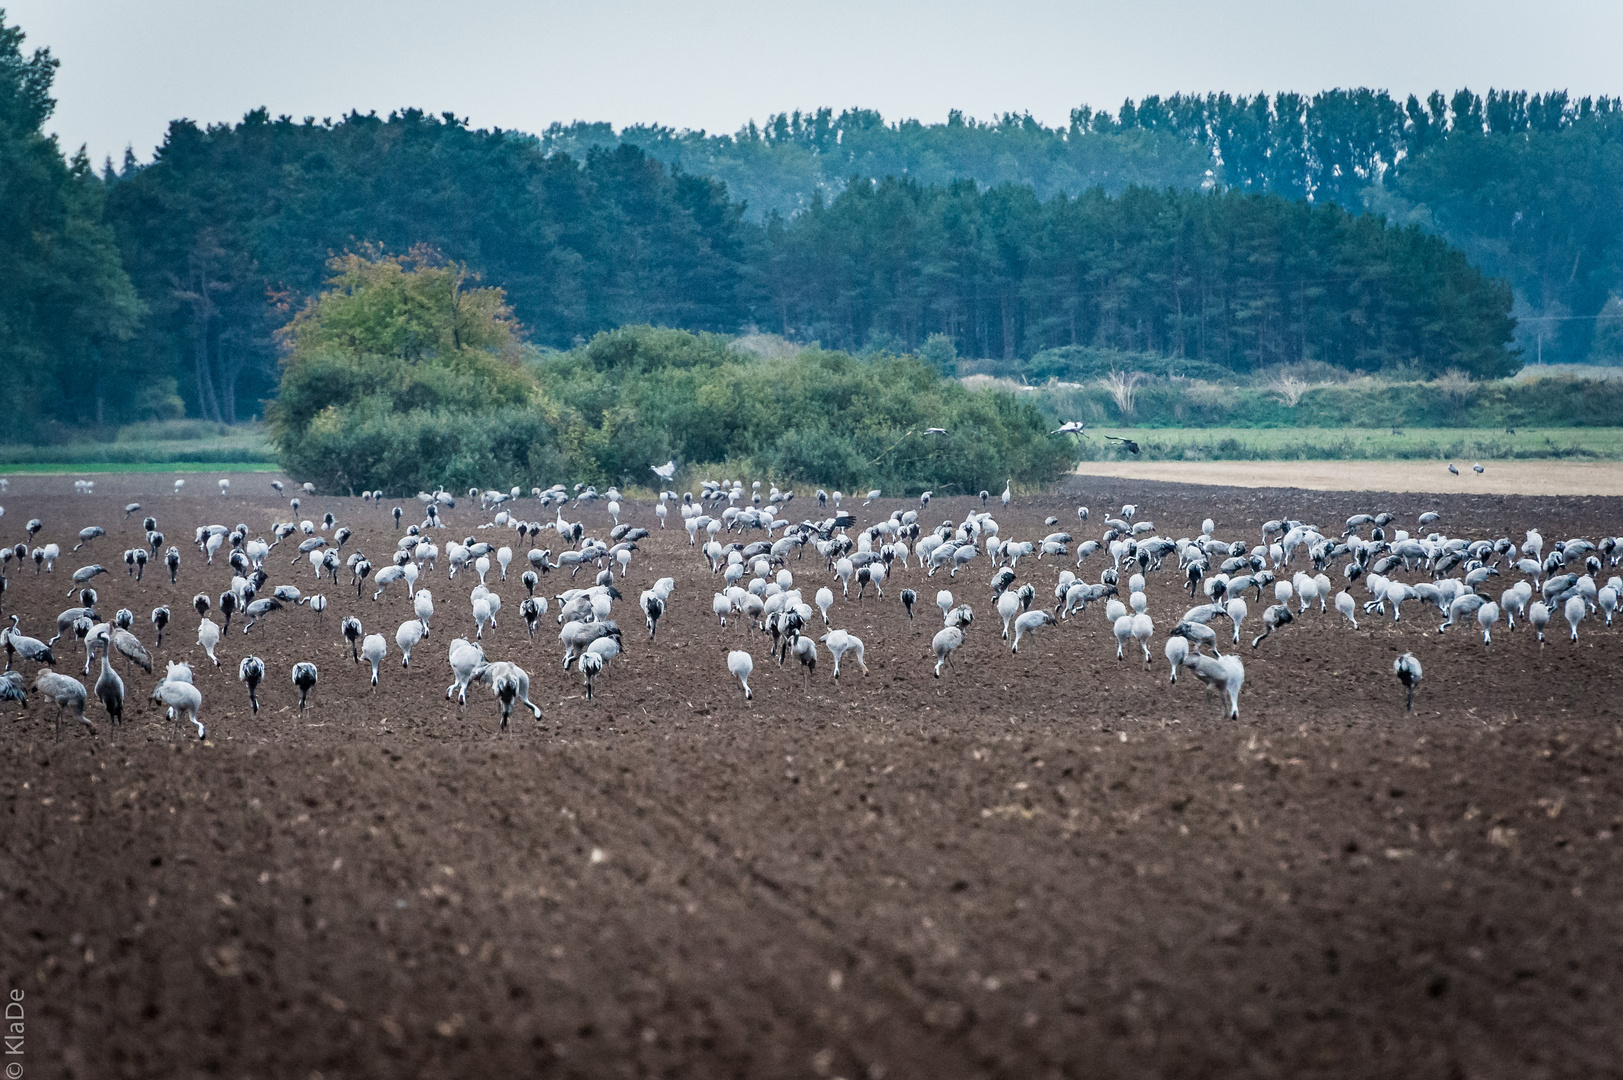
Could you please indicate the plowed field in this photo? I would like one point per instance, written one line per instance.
(1049, 863)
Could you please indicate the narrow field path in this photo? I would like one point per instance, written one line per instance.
(1497, 478)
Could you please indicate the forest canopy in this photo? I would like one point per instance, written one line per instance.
(1235, 280)
(1529, 185)
(1227, 233)
(615, 238)
(66, 305)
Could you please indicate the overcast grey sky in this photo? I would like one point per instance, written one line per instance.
(129, 66)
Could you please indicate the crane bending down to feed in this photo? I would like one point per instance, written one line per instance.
(183, 698)
(1177, 651)
(741, 665)
(65, 692)
(510, 683)
(373, 651)
(1223, 673)
(839, 643)
(944, 644)
(304, 677)
(11, 689)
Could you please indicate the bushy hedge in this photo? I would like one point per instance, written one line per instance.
(399, 453)
(1079, 363)
(638, 396)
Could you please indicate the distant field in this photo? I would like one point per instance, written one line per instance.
(250, 452)
(180, 443)
(51, 467)
(1530, 477)
(1356, 444)
(1572, 371)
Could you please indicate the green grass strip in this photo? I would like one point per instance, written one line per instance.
(57, 467)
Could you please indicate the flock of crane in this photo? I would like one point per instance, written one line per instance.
(756, 552)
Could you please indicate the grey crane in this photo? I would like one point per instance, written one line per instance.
(67, 692)
(18, 644)
(351, 628)
(183, 699)
(653, 607)
(944, 644)
(1276, 616)
(805, 650)
(304, 677)
(11, 689)
(740, 665)
(511, 684)
(1028, 622)
(1222, 673)
(1407, 669)
(252, 671)
(373, 651)
(85, 573)
(128, 645)
(110, 689)
(259, 609)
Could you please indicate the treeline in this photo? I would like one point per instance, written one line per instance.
(404, 376)
(1229, 279)
(158, 289)
(1328, 146)
(1530, 186)
(229, 227)
(67, 308)
(798, 158)
(229, 230)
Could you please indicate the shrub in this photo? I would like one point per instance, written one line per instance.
(640, 394)
(174, 431)
(422, 450)
(365, 406)
(1122, 387)
(1082, 363)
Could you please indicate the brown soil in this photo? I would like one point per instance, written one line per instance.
(1046, 864)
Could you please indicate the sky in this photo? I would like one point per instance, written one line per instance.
(130, 66)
